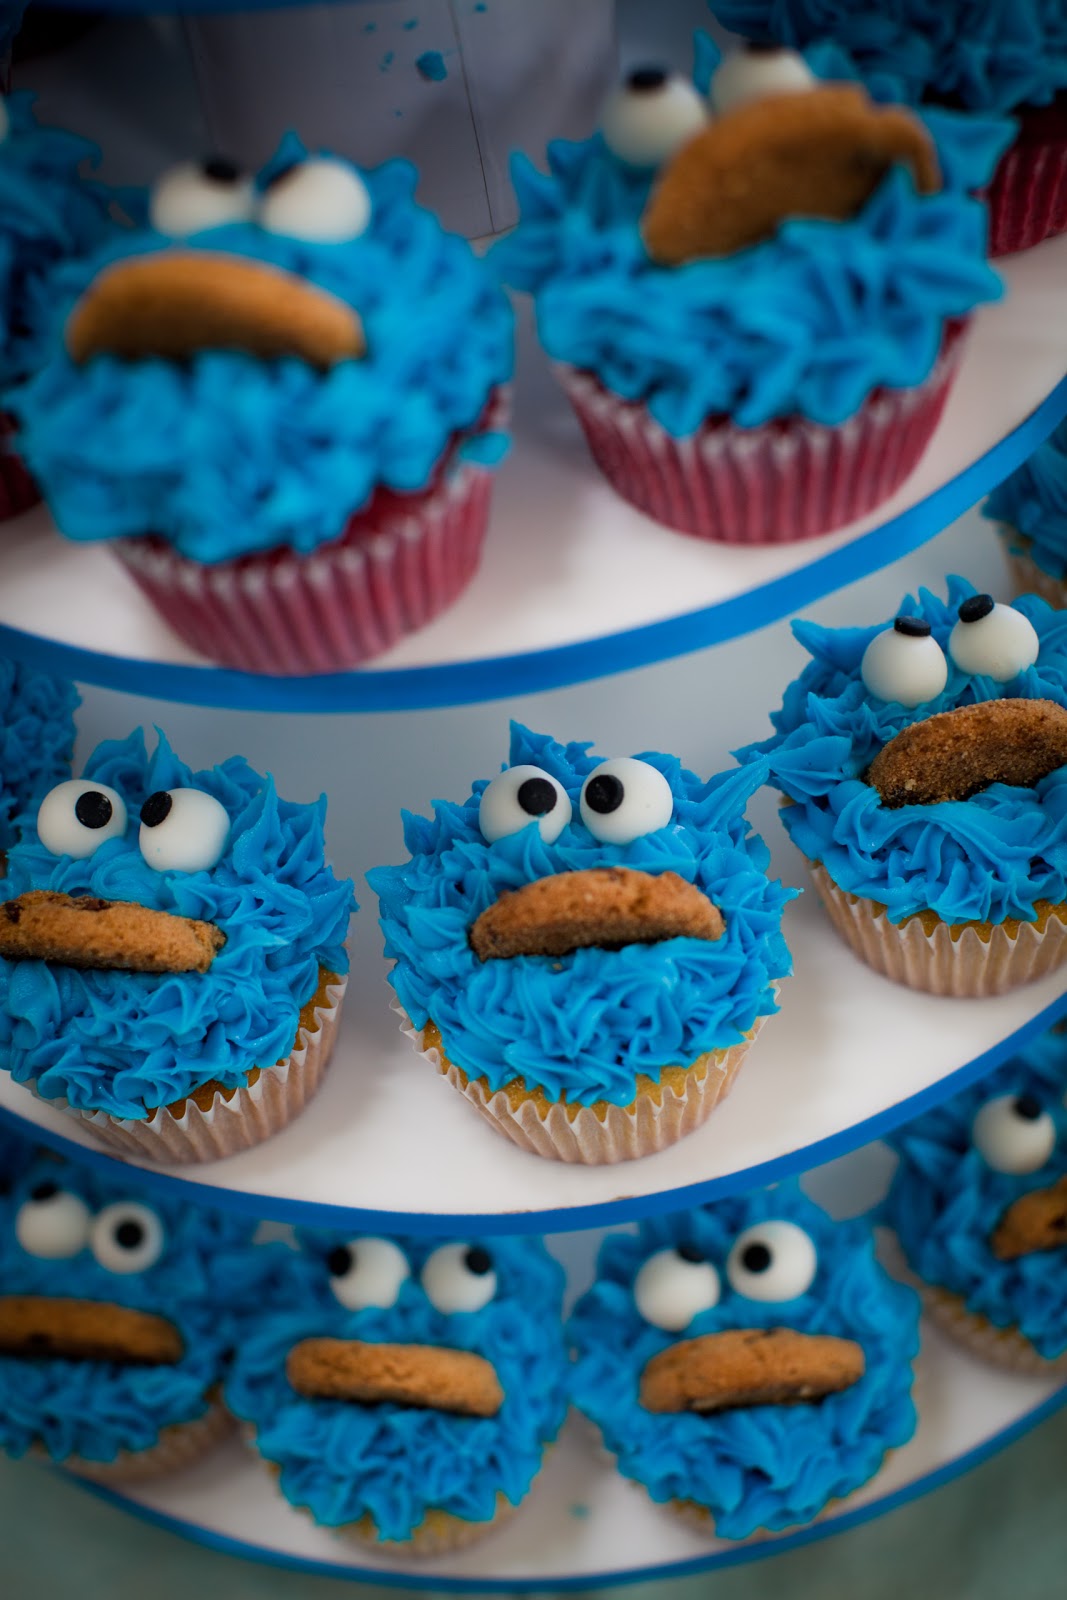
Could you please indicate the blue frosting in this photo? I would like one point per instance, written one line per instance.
(1033, 502)
(48, 214)
(36, 742)
(226, 455)
(809, 322)
(584, 1025)
(988, 55)
(16, 1153)
(983, 859)
(206, 1273)
(125, 1042)
(946, 1201)
(768, 1466)
(342, 1461)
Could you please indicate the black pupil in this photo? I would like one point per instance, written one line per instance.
(478, 1260)
(761, 47)
(44, 1191)
(93, 809)
(156, 808)
(220, 169)
(689, 1252)
(977, 607)
(1028, 1107)
(755, 1258)
(339, 1261)
(536, 796)
(646, 79)
(604, 793)
(129, 1234)
(912, 627)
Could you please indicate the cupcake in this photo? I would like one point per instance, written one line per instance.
(282, 403)
(117, 1320)
(406, 1391)
(36, 743)
(1030, 507)
(984, 56)
(756, 304)
(979, 1204)
(586, 948)
(923, 766)
(747, 1363)
(172, 953)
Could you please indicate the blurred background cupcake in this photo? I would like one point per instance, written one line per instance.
(1030, 510)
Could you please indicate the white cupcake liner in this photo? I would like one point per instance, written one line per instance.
(607, 1134)
(248, 1117)
(952, 960)
(180, 1445)
(1027, 576)
(1003, 1347)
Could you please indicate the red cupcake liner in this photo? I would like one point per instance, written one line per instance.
(18, 492)
(400, 561)
(1028, 196)
(788, 480)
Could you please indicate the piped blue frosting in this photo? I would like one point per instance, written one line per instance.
(93, 1409)
(983, 859)
(342, 1461)
(809, 322)
(946, 1201)
(584, 1025)
(1033, 502)
(36, 742)
(765, 1466)
(226, 455)
(126, 1042)
(987, 55)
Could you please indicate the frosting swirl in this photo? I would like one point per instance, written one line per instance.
(1033, 502)
(36, 742)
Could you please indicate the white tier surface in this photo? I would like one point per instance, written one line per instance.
(566, 559)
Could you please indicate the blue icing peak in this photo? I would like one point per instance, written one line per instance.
(36, 742)
(198, 1270)
(584, 1025)
(984, 859)
(809, 322)
(757, 1466)
(226, 455)
(1033, 502)
(48, 214)
(988, 55)
(125, 1042)
(343, 1461)
(947, 1199)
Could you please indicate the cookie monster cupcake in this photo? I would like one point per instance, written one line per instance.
(586, 948)
(172, 953)
(924, 765)
(755, 301)
(979, 1204)
(1030, 508)
(117, 1322)
(983, 56)
(282, 402)
(748, 1363)
(48, 213)
(406, 1391)
(36, 743)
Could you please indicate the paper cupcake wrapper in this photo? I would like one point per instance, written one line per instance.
(1028, 196)
(602, 1136)
(964, 965)
(18, 492)
(177, 1447)
(398, 564)
(1026, 576)
(1003, 1347)
(788, 480)
(248, 1117)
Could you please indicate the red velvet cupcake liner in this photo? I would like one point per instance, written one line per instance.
(400, 562)
(18, 492)
(1028, 196)
(788, 480)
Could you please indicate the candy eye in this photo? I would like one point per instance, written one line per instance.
(757, 72)
(772, 1261)
(126, 1237)
(459, 1277)
(1014, 1133)
(197, 195)
(992, 641)
(650, 116)
(52, 1223)
(904, 664)
(78, 816)
(368, 1273)
(674, 1286)
(624, 799)
(519, 796)
(183, 830)
(321, 200)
